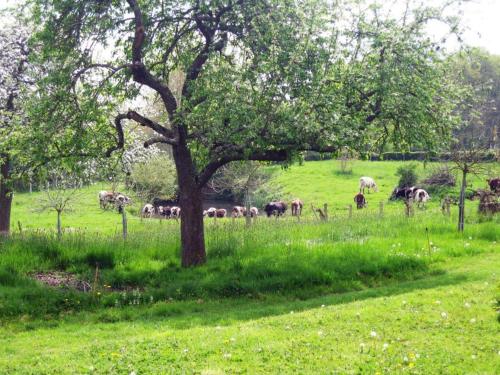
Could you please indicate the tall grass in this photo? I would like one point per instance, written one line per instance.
(272, 256)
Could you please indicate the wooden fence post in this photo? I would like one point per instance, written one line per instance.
(350, 211)
(381, 209)
(325, 207)
(314, 211)
(124, 222)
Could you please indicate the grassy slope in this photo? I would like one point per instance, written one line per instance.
(280, 336)
(313, 182)
(267, 338)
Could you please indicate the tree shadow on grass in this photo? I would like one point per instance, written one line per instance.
(188, 314)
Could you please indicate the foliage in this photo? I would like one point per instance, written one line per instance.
(154, 177)
(242, 179)
(407, 175)
(479, 111)
(226, 95)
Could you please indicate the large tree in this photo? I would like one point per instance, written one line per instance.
(254, 80)
(14, 52)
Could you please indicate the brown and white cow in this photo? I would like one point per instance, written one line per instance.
(360, 201)
(277, 208)
(220, 213)
(420, 196)
(296, 207)
(105, 198)
(238, 211)
(148, 210)
(494, 184)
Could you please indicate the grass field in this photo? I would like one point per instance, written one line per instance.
(367, 294)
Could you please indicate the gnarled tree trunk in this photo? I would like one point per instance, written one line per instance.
(5, 196)
(190, 201)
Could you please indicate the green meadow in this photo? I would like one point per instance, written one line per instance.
(375, 292)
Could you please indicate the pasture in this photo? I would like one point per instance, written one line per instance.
(360, 294)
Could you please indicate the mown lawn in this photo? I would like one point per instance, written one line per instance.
(441, 324)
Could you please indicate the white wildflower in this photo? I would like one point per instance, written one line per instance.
(473, 320)
(385, 346)
(444, 315)
(438, 302)
(373, 334)
(467, 305)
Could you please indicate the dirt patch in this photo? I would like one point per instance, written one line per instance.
(62, 280)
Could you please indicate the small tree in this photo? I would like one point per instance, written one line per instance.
(346, 159)
(58, 198)
(467, 159)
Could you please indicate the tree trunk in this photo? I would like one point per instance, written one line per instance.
(461, 203)
(5, 196)
(190, 202)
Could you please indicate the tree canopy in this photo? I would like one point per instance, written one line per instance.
(239, 80)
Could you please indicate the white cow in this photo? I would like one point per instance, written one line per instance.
(367, 182)
(105, 197)
(175, 212)
(148, 210)
(254, 212)
(420, 196)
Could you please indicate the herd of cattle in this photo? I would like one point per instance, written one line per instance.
(168, 208)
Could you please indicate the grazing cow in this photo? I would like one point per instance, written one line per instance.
(205, 213)
(421, 197)
(275, 208)
(211, 212)
(175, 212)
(254, 212)
(296, 207)
(120, 201)
(367, 182)
(360, 200)
(148, 210)
(220, 213)
(105, 198)
(494, 184)
(166, 211)
(157, 202)
(238, 211)
(403, 193)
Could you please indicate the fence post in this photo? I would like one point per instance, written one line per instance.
(124, 222)
(350, 211)
(325, 207)
(381, 209)
(314, 211)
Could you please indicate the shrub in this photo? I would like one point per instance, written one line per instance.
(441, 177)
(153, 178)
(407, 175)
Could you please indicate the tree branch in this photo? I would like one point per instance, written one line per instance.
(155, 140)
(139, 71)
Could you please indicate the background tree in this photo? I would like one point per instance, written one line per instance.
(14, 54)
(261, 80)
(243, 179)
(153, 177)
(481, 71)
